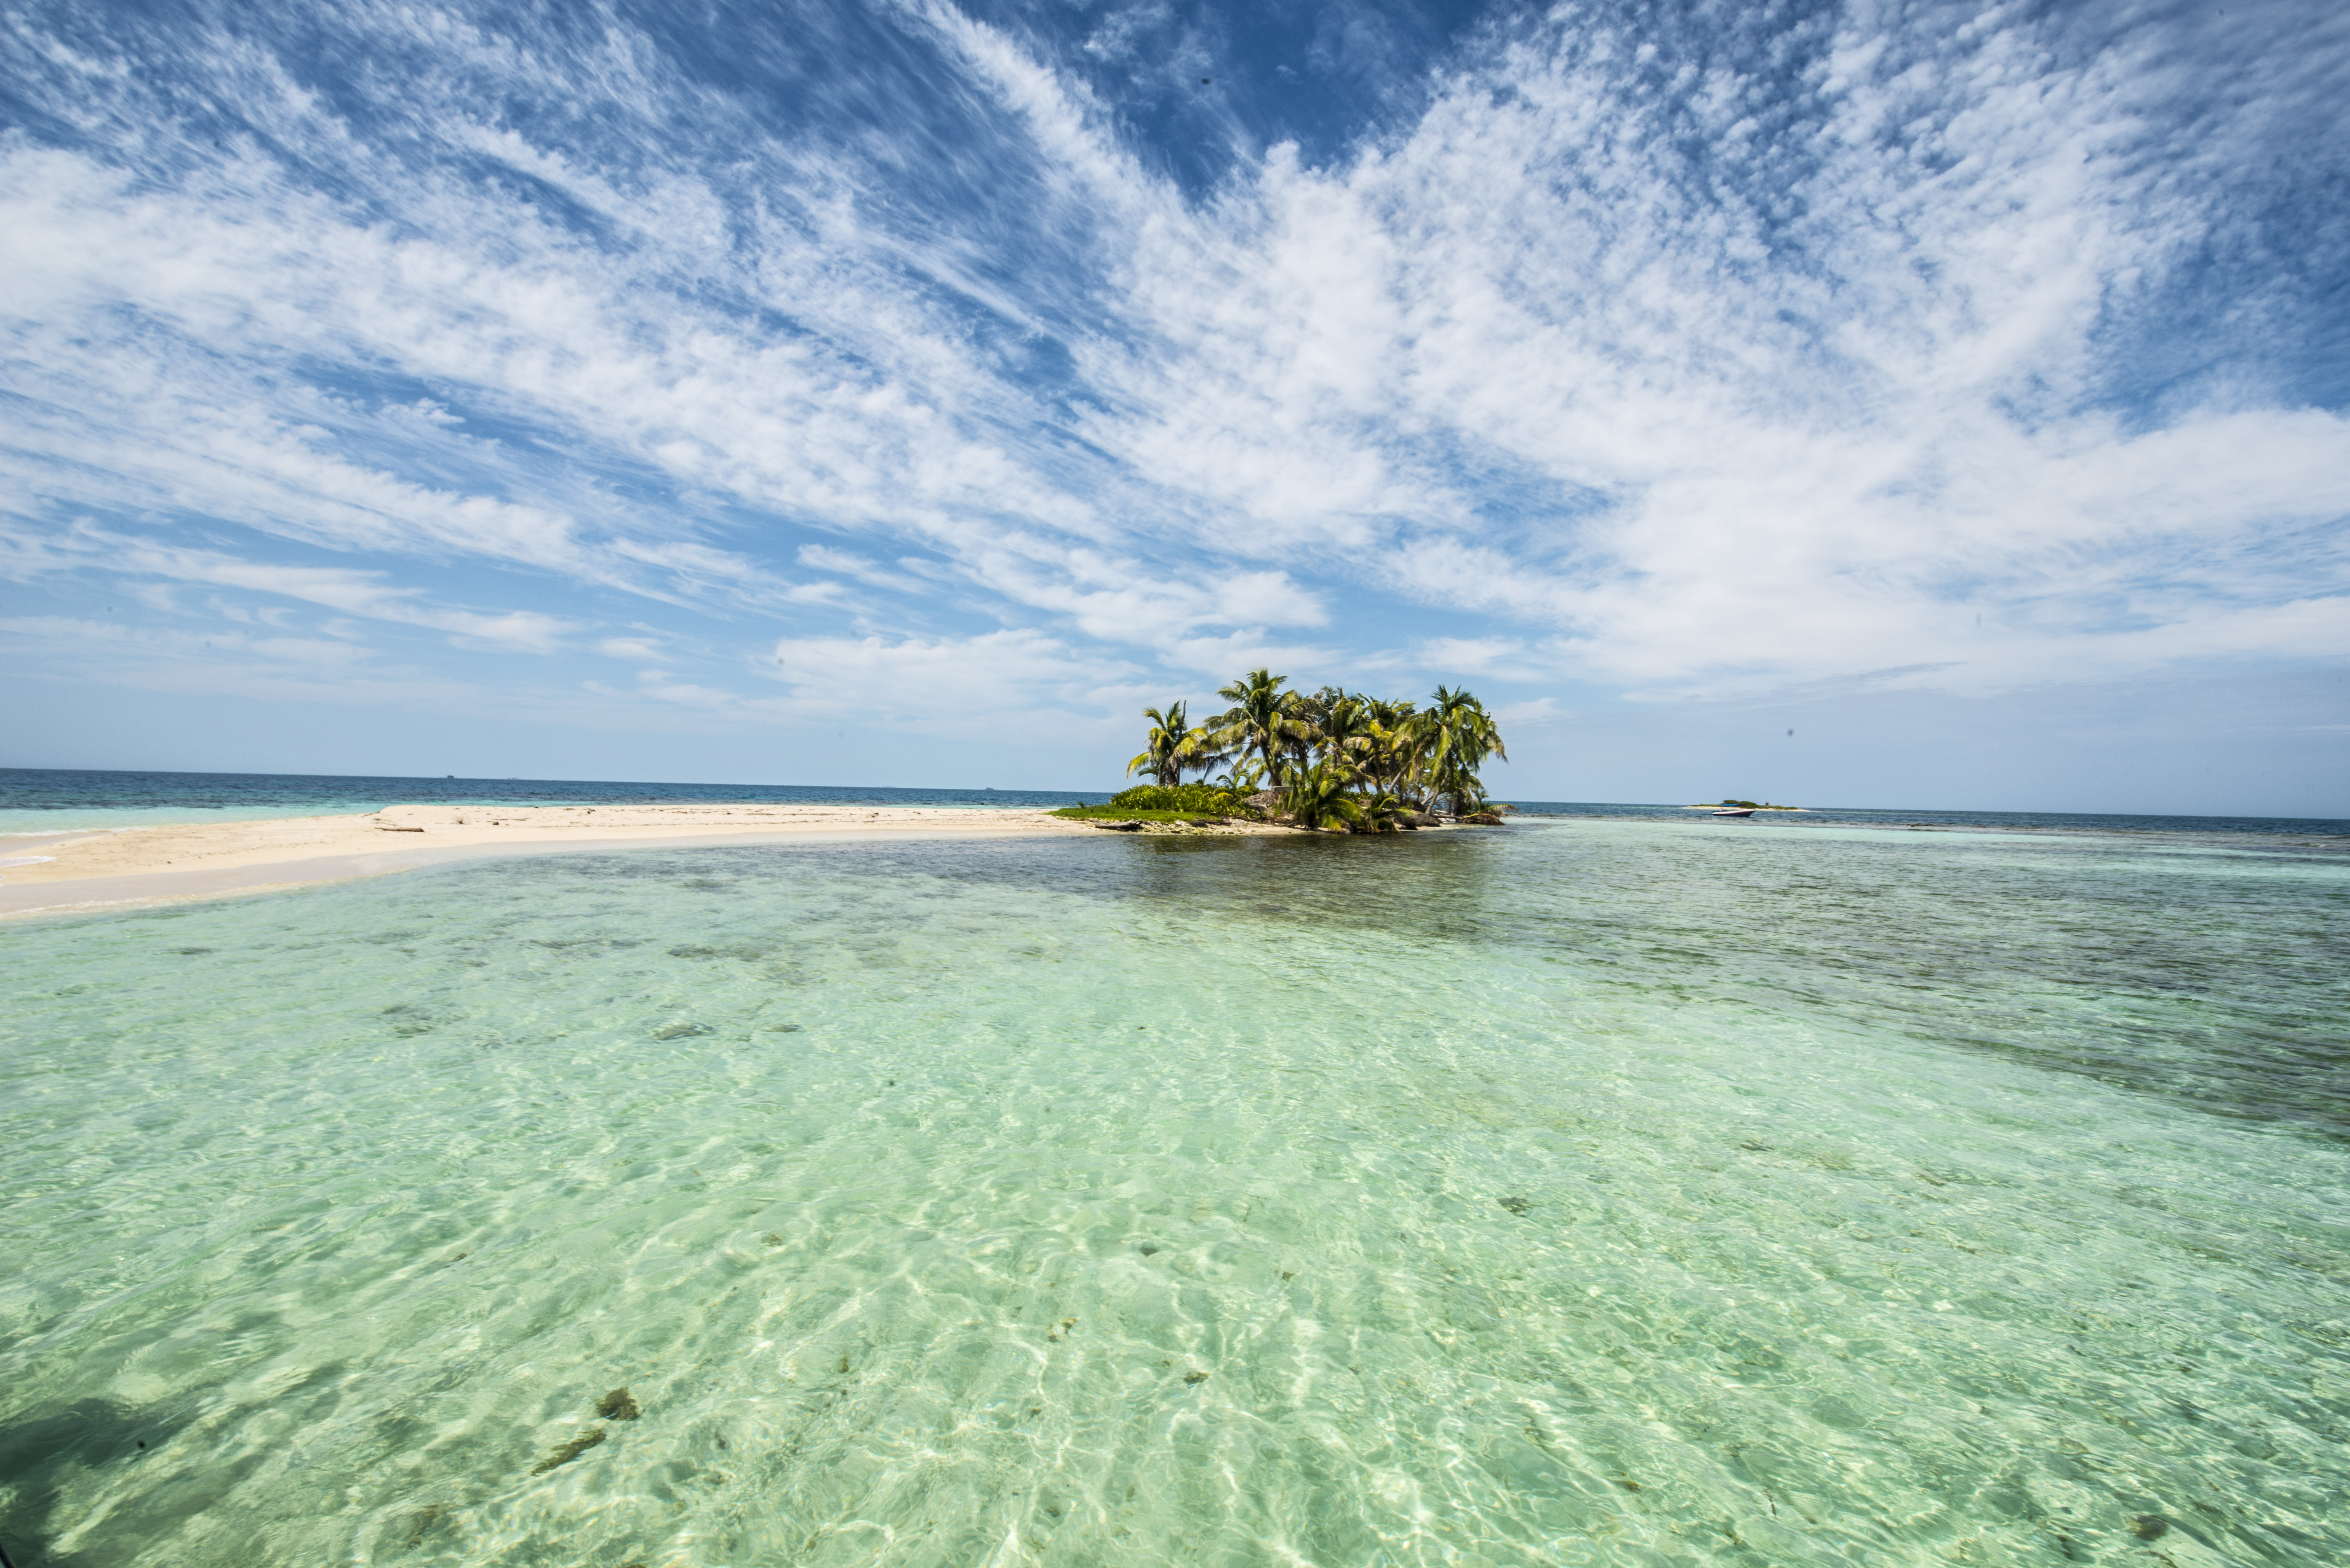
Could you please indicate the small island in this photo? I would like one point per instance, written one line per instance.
(1328, 761)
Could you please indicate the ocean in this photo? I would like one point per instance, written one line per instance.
(1618, 1187)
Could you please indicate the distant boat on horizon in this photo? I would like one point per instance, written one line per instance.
(1735, 811)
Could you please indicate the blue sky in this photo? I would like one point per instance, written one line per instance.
(907, 393)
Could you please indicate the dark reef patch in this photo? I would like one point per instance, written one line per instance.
(569, 1451)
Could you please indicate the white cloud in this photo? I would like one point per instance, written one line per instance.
(1680, 374)
(1529, 284)
(357, 593)
(967, 685)
(1515, 716)
(84, 636)
(1500, 656)
(847, 563)
(657, 684)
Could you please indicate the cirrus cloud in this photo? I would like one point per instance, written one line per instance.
(1664, 351)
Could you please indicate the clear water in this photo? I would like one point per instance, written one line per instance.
(1605, 1192)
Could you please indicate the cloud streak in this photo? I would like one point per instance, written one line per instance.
(1668, 352)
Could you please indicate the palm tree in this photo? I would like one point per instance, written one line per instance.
(1172, 746)
(1241, 777)
(1310, 710)
(1380, 811)
(1398, 745)
(1345, 734)
(1261, 718)
(1318, 795)
(1460, 735)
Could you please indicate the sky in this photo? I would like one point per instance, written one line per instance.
(1906, 404)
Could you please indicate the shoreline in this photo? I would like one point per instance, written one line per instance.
(92, 870)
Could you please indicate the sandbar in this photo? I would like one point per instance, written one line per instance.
(175, 862)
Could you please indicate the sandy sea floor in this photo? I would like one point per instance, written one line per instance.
(1573, 1193)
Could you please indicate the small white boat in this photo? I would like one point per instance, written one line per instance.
(1735, 811)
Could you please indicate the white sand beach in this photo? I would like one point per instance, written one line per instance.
(203, 860)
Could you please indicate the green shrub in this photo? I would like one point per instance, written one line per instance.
(1126, 813)
(1203, 799)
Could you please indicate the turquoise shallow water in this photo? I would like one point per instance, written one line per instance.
(1592, 1192)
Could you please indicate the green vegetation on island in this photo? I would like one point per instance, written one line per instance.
(1329, 760)
(1131, 812)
